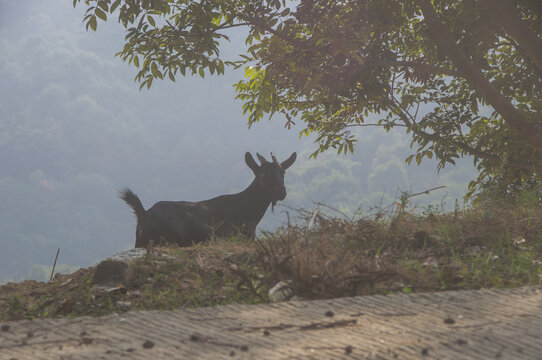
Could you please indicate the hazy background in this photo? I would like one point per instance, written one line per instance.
(74, 129)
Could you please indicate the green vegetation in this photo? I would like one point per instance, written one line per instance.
(393, 250)
(461, 77)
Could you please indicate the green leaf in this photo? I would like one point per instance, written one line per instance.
(154, 69)
(92, 23)
(104, 5)
(419, 158)
(201, 72)
(217, 20)
(101, 14)
(151, 21)
(114, 6)
(418, 90)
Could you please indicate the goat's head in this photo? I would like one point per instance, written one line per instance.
(270, 175)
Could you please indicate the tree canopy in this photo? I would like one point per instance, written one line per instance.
(463, 77)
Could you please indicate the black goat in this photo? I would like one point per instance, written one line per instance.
(186, 223)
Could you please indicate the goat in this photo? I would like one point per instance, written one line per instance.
(186, 223)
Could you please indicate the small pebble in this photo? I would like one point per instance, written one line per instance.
(5, 327)
(348, 349)
(330, 313)
(148, 344)
(243, 348)
(425, 351)
(449, 321)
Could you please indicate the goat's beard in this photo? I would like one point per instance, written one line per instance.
(273, 206)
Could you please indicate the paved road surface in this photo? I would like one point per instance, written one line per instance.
(483, 324)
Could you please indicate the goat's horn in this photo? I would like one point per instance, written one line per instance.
(261, 158)
(274, 158)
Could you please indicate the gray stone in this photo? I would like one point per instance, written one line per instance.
(116, 269)
(282, 291)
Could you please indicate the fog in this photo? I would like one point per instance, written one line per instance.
(75, 129)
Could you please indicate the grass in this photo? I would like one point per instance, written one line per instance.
(491, 246)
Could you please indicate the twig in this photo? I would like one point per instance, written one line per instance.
(53, 271)
(426, 191)
(299, 210)
(334, 209)
(311, 223)
(411, 195)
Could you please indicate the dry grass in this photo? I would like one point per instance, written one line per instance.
(469, 249)
(466, 249)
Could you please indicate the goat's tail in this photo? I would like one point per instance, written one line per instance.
(142, 229)
(133, 201)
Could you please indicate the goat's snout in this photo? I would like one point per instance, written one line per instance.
(282, 193)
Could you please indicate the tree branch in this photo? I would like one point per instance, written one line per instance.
(505, 14)
(404, 116)
(433, 69)
(514, 118)
(376, 125)
(224, 26)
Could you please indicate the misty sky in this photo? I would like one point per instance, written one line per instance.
(75, 129)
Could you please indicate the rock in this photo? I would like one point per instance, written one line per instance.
(124, 304)
(66, 282)
(519, 243)
(281, 292)
(128, 255)
(472, 250)
(110, 273)
(148, 344)
(116, 269)
(430, 262)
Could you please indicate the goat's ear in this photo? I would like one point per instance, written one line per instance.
(251, 163)
(288, 162)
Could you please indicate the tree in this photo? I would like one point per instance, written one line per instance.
(463, 77)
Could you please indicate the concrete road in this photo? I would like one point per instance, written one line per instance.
(482, 324)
